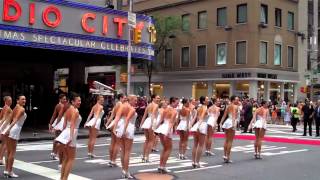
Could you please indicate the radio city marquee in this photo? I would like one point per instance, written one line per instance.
(71, 26)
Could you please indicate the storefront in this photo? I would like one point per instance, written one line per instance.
(60, 46)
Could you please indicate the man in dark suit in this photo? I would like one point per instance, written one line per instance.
(247, 114)
(317, 118)
(308, 112)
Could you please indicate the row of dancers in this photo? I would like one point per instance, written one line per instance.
(161, 119)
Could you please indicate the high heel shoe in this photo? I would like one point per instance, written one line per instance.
(256, 155)
(12, 175)
(194, 165)
(225, 159)
(5, 174)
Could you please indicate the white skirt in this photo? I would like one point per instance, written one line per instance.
(59, 126)
(164, 129)
(212, 121)
(64, 137)
(182, 126)
(91, 122)
(227, 124)
(129, 134)
(202, 128)
(15, 132)
(260, 124)
(147, 124)
(110, 126)
(4, 127)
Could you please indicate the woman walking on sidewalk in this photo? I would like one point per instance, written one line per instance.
(148, 125)
(93, 123)
(124, 130)
(113, 149)
(229, 125)
(259, 124)
(56, 123)
(199, 131)
(183, 128)
(13, 132)
(213, 112)
(68, 136)
(165, 131)
(5, 120)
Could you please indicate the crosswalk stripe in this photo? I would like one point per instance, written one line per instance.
(198, 169)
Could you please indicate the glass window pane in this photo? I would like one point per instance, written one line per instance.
(185, 22)
(168, 58)
(278, 15)
(277, 54)
(241, 52)
(263, 52)
(264, 14)
(222, 16)
(202, 20)
(185, 57)
(290, 21)
(242, 13)
(221, 54)
(290, 57)
(202, 55)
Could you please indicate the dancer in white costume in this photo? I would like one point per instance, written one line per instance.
(56, 123)
(148, 125)
(5, 120)
(259, 124)
(213, 112)
(183, 127)
(199, 130)
(230, 125)
(68, 136)
(13, 131)
(162, 106)
(124, 130)
(114, 145)
(165, 130)
(93, 123)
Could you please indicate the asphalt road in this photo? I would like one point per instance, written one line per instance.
(283, 161)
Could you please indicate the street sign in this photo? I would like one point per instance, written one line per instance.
(132, 19)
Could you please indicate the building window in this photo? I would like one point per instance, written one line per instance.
(202, 55)
(202, 20)
(290, 21)
(185, 57)
(263, 52)
(185, 22)
(222, 16)
(278, 15)
(168, 58)
(241, 52)
(277, 54)
(264, 14)
(290, 57)
(221, 54)
(242, 13)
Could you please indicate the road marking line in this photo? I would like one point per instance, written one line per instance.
(43, 171)
(267, 149)
(198, 169)
(172, 167)
(283, 152)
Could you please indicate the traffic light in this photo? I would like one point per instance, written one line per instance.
(137, 38)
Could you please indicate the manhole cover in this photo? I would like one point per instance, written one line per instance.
(153, 176)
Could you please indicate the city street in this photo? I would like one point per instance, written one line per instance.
(286, 156)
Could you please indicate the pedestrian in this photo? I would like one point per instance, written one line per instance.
(213, 112)
(229, 125)
(13, 131)
(317, 118)
(5, 120)
(56, 123)
(93, 123)
(165, 131)
(287, 115)
(295, 111)
(124, 125)
(183, 127)
(148, 125)
(199, 130)
(307, 112)
(248, 111)
(114, 145)
(259, 124)
(68, 136)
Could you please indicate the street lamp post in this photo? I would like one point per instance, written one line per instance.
(129, 53)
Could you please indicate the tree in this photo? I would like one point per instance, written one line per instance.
(166, 28)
